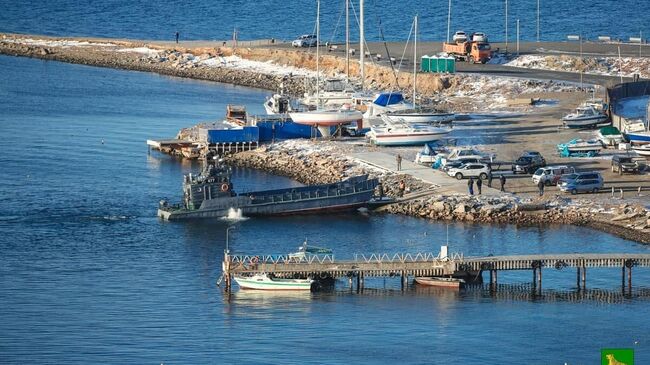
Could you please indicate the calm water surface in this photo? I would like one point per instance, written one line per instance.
(90, 275)
(203, 19)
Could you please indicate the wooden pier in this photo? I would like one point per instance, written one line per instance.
(428, 264)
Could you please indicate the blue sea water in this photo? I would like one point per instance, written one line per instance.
(207, 20)
(90, 275)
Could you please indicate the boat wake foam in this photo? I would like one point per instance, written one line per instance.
(234, 215)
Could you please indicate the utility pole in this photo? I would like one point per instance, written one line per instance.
(538, 20)
(640, 41)
(415, 55)
(361, 44)
(506, 26)
(449, 22)
(517, 37)
(347, 40)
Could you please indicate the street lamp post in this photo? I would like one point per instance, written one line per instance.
(228, 238)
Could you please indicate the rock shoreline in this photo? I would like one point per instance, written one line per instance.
(134, 62)
(320, 165)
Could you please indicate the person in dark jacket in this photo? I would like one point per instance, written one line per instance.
(177, 36)
(540, 186)
(470, 186)
(479, 185)
(502, 179)
(489, 178)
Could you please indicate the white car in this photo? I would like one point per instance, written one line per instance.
(469, 170)
(305, 40)
(479, 37)
(460, 37)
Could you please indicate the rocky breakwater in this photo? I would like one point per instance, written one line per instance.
(319, 162)
(203, 64)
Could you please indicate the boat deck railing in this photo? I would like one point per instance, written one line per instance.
(304, 193)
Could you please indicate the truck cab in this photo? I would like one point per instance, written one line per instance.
(481, 52)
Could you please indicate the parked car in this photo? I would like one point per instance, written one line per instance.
(305, 40)
(623, 164)
(550, 175)
(479, 37)
(459, 37)
(469, 170)
(581, 182)
(528, 163)
(460, 162)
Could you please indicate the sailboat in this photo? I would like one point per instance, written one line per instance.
(323, 119)
(392, 104)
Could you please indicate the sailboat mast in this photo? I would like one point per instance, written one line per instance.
(362, 52)
(415, 55)
(318, 52)
(347, 40)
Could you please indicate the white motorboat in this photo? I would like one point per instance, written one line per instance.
(636, 131)
(581, 145)
(610, 136)
(335, 92)
(393, 133)
(441, 282)
(266, 282)
(642, 150)
(420, 116)
(278, 104)
(326, 118)
(585, 117)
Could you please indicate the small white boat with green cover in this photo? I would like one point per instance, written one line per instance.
(269, 282)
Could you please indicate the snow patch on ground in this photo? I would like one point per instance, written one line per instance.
(141, 50)
(610, 66)
(49, 43)
(493, 92)
(268, 68)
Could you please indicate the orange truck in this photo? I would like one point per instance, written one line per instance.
(474, 52)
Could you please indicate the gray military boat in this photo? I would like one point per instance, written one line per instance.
(210, 194)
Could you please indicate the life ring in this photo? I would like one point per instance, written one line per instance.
(224, 187)
(255, 260)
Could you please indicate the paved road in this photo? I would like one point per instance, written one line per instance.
(443, 183)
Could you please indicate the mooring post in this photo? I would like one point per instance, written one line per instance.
(491, 277)
(629, 279)
(358, 281)
(534, 277)
(623, 277)
(350, 282)
(404, 280)
(539, 277)
(584, 277)
(578, 277)
(362, 280)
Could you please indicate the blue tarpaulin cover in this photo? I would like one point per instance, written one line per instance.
(385, 99)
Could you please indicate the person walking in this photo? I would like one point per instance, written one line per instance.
(470, 186)
(399, 162)
(177, 36)
(479, 185)
(540, 186)
(489, 178)
(402, 188)
(502, 179)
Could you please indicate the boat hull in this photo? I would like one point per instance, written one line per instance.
(265, 283)
(642, 150)
(440, 282)
(584, 122)
(638, 138)
(610, 139)
(326, 118)
(423, 118)
(405, 139)
(343, 196)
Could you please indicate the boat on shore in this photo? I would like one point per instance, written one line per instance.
(642, 150)
(269, 282)
(440, 282)
(585, 117)
(610, 136)
(210, 195)
(580, 146)
(393, 133)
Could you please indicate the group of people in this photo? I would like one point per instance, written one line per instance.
(479, 183)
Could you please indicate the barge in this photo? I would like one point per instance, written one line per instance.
(210, 195)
